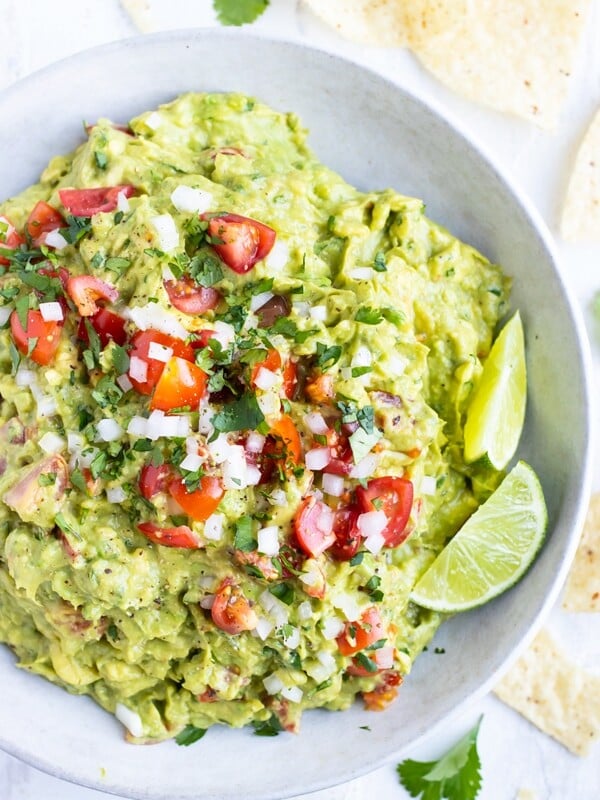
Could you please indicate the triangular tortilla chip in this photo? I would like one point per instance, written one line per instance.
(556, 695)
(377, 22)
(581, 211)
(582, 592)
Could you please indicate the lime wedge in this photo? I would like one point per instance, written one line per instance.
(497, 411)
(492, 550)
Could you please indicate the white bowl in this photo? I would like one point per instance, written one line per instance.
(375, 135)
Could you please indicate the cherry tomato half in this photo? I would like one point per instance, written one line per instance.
(154, 480)
(313, 526)
(362, 633)
(181, 383)
(231, 611)
(86, 290)
(202, 502)
(10, 238)
(395, 497)
(43, 219)
(190, 298)
(239, 241)
(347, 535)
(87, 202)
(140, 345)
(180, 536)
(47, 335)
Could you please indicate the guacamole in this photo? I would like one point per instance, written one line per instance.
(233, 396)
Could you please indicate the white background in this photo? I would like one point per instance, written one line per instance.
(515, 755)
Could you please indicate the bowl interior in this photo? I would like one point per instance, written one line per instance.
(376, 135)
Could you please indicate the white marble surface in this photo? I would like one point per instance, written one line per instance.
(515, 756)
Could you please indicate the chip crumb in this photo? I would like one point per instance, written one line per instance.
(582, 591)
(556, 695)
(526, 794)
(581, 210)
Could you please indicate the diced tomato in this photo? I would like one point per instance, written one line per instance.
(190, 298)
(272, 362)
(358, 635)
(347, 535)
(61, 273)
(385, 693)
(290, 379)
(319, 389)
(342, 460)
(201, 338)
(86, 290)
(10, 238)
(382, 658)
(202, 502)
(180, 536)
(47, 335)
(313, 526)
(231, 611)
(87, 202)
(43, 219)
(108, 325)
(154, 480)
(395, 497)
(182, 383)
(140, 345)
(286, 432)
(239, 241)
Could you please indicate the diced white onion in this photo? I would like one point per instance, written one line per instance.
(174, 426)
(318, 313)
(124, 382)
(130, 720)
(55, 239)
(263, 628)
(273, 684)
(362, 358)
(325, 667)
(374, 543)
(265, 379)
(292, 693)
(279, 256)
(205, 426)
(116, 494)
(253, 475)
(347, 604)
(159, 352)
(385, 658)
(208, 582)
(224, 333)
(269, 403)
(258, 300)
(207, 602)
(109, 430)
(301, 309)
(85, 458)
(5, 312)
(365, 468)
(428, 485)
(317, 458)
(194, 201)
(157, 318)
(268, 540)
(397, 364)
(154, 120)
(255, 442)
(313, 575)
(332, 627)
(46, 405)
(137, 426)
(52, 443)
(24, 377)
(138, 369)
(75, 442)
(234, 469)
(167, 274)
(346, 373)
(361, 273)
(304, 610)
(219, 449)
(166, 230)
(192, 462)
(213, 527)
(122, 203)
(333, 485)
(316, 423)
(191, 445)
(372, 522)
(278, 498)
(51, 312)
(277, 610)
(292, 639)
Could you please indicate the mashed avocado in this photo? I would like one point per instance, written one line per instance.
(233, 395)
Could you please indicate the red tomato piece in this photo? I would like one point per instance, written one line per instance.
(286, 432)
(46, 333)
(290, 379)
(231, 611)
(385, 693)
(239, 241)
(313, 526)
(347, 536)
(87, 202)
(154, 480)
(140, 345)
(319, 389)
(181, 383)
(86, 290)
(202, 502)
(43, 219)
(272, 362)
(108, 325)
(362, 633)
(180, 536)
(10, 238)
(395, 497)
(190, 298)
(383, 658)
(342, 460)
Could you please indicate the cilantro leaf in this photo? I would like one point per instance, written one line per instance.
(240, 415)
(456, 776)
(244, 537)
(327, 356)
(368, 315)
(239, 12)
(270, 727)
(189, 735)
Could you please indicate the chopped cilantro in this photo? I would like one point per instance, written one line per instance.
(366, 663)
(189, 735)
(15, 357)
(101, 159)
(116, 264)
(22, 309)
(357, 559)
(393, 315)
(120, 359)
(456, 776)
(78, 481)
(283, 592)
(77, 228)
(379, 263)
(368, 315)
(327, 356)
(270, 727)
(244, 536)
(47, 479)
(239, 415)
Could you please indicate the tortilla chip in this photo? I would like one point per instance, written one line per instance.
(140, 14)
(512, 55)
(526, 794)
(377, 22)
(582, 592)
(556, 695)
(581, 211)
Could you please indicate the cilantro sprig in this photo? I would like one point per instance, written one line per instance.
(455, 776)
(239, 12)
